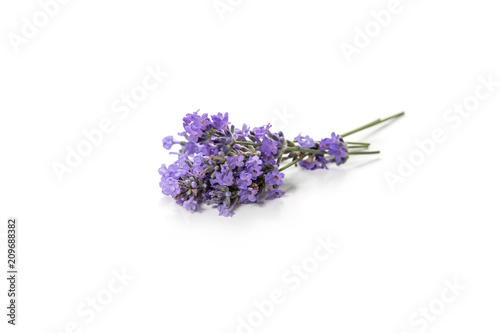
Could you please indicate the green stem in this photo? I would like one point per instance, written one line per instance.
(373, 123)
(255, 144)
(358, 143)
(292, 163)
(351, 147)
(364, 152)
(280, 157)
(303, 150)
(361, 128)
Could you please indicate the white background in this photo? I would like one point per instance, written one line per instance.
(265, 61)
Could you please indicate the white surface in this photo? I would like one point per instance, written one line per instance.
(199, 272)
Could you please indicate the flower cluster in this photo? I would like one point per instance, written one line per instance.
(221, 165)
(333, 146)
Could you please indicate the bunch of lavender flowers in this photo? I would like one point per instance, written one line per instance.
(221, 165)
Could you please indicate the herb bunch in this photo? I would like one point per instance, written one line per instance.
(219, 164)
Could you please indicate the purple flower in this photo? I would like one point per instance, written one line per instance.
(248, 194)
(217, 179)
(269, 160)
(227, 179)
(224, 168)
(329, 143)
(223, 211)
(339, 154)
(170, 186)
(268, 147)
(244, 180)
(256, 172)
(220, 121)
(314, 162)
(189, 118)
(190, 204)
(253, 162)
(262, 131)
(191, 148)
(163, 169)
(168, 142)
(176, 170)
(305, 142)
(275, 193)
(243, 133)
(275, 178)
(198, 160)
(334, 146)
(199, 171)
(235, 161)
(309, 163)
(208, 149)
(194, 133)
(202, 121)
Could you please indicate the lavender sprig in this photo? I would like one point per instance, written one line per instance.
(221, 165)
